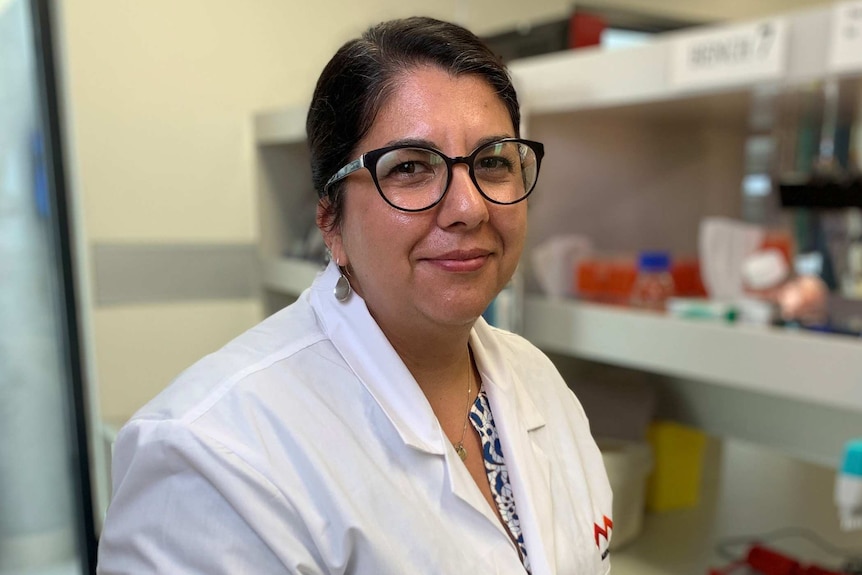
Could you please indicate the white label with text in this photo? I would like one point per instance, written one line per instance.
(727, 56)
(845, 54)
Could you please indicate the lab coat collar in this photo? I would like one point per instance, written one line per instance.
(498, 374)
(375, 362)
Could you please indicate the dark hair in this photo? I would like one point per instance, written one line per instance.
(363, 74)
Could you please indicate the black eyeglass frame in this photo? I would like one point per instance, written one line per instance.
(369, 160)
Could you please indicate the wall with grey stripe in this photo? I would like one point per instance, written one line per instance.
(131, 274)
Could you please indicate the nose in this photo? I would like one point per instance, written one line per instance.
(463, 204)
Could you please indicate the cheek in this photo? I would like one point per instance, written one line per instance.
(512, 227)
(375, 234)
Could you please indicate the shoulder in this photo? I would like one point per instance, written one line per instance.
(214, 426)
(281, 338)
(169, 482)
(272, 385)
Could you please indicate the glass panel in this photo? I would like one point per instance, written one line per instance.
(40, 480)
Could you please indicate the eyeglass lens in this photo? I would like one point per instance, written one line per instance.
(415, 178)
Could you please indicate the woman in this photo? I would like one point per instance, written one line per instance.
(379, 425)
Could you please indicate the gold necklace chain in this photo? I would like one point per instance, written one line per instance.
(459, 448)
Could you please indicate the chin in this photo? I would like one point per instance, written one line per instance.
(458, 313)
(458, 321)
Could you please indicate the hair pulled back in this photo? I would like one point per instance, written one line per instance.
(365, 71)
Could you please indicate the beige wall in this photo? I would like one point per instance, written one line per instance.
(141, 349)
(159, 99)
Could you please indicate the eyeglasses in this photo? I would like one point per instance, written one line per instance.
(415, 178)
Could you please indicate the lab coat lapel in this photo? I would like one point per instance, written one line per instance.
(517, 420)
(372, 358)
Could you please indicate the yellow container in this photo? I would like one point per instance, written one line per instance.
(678, 464)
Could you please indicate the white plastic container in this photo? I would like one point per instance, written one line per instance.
(848, 487)
(628, 464)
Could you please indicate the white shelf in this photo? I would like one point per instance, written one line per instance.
(289, 276)
(589, 79)
(286, 126)
(816, 368)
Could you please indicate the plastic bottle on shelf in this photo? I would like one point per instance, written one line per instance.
(848, 487)
(654, 283)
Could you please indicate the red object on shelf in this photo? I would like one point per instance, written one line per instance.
(585, 29)
(771, 562)
(766, 561)
(622, 274)
(589, 279)
(610, 279)
(686, 278)
(605, 280)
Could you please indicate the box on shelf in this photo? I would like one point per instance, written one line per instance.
(628, 464)
(676, 478)
(610, 279)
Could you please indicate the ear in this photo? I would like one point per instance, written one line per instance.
(331, 232)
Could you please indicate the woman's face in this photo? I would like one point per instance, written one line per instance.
(443, 265)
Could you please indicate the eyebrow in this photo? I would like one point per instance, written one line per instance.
(423, 143)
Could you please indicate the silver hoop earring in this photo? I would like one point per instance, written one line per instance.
(342, 289)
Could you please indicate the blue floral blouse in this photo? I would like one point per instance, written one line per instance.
(498, 474)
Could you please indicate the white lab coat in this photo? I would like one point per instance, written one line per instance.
(306, 446)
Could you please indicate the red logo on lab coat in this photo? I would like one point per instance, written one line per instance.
(603, 530)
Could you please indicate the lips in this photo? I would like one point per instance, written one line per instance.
(460, 260)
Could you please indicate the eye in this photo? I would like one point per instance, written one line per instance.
(498, 158)
(408, 169)
(494, 163)
(408, 166)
